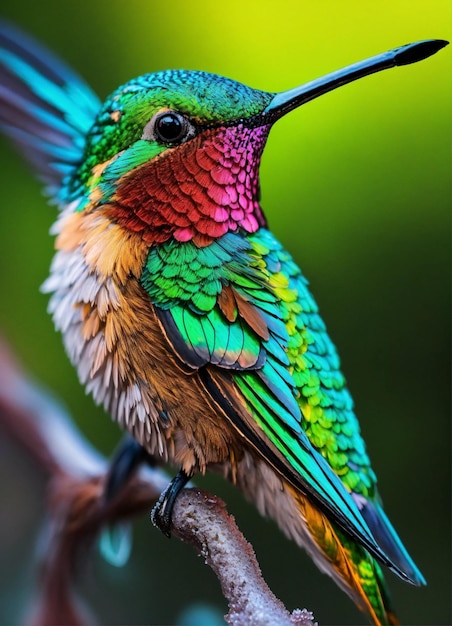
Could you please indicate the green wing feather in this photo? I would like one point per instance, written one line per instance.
(242, 304)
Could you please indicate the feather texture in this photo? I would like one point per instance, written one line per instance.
(294, 388)
(45, 108)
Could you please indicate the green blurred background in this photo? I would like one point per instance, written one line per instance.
(358, 186)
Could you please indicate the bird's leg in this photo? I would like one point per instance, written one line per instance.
(126, 460)
(161, 515)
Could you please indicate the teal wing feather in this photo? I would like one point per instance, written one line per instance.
(326, 406)
(45, 108)
(241, 304)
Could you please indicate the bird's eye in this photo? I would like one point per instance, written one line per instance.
(170, 127)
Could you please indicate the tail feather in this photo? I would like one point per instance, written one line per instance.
(387, 538)
(348, 563)
(45, 108)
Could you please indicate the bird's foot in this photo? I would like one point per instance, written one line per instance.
(126, 460)
(161, 514)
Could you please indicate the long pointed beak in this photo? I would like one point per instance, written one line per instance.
(286, 101)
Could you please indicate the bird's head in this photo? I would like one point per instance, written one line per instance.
(176, 154)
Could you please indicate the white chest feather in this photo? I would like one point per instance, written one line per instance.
(88, 307)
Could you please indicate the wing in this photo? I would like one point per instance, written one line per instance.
(45, 108)
(240, 313)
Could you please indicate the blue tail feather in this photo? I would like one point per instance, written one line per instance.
(388, 540)
(45, 109)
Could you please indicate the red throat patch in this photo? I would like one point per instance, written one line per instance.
(198, 191)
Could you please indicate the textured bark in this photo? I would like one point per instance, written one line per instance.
(202, 520)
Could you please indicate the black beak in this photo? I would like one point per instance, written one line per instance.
(286, 101)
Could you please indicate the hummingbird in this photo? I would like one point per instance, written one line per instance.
(183, 314)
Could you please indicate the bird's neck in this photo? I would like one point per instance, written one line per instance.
(196, 192)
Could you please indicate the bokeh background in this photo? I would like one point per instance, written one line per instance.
(357, 184)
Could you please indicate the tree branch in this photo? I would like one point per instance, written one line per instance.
(77, 511)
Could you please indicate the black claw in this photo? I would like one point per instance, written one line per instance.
(126, 460)
(162, 513)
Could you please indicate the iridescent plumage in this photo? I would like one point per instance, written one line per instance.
(183, 314)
